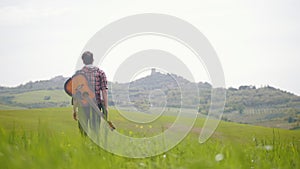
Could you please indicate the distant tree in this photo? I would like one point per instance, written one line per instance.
(47, 97)
(291, 120)
(244, 87)
(241, 109)
(247, 87)
(225, 118)
(232, 89)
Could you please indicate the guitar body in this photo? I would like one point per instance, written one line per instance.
(78, 87)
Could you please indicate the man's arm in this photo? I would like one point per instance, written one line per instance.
(105, 100)
(104, 91)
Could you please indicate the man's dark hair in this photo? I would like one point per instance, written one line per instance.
(87, 57)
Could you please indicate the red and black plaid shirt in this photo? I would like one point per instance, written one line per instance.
(97, 80)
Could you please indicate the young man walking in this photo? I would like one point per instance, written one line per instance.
(98, 84)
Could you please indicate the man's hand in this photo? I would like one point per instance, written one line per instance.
(106, 110)
(75, 116)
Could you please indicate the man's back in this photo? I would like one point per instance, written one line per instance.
(96, 78)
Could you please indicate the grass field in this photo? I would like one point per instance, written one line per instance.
(49, 138)
(39, 96)
(33, 99)
(7, 107)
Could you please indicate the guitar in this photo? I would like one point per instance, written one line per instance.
(78, 88)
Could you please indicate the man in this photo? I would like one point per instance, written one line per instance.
(98, 83)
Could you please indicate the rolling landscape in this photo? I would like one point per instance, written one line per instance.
(259, 127)
(265, 106)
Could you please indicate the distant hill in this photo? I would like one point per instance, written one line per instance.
(38, 94)
(266, 106)
(55, 83)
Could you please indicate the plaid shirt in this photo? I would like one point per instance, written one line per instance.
(97, 80)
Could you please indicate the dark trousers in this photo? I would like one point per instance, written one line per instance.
(89, 117)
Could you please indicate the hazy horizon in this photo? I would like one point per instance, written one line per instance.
(149, 73)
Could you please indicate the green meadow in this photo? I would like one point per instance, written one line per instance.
(49, 138)
(40, 96)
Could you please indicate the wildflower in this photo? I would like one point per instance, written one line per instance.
(268, 147)
(141, 127)
(219, 157)
(142, 164)
(164, 156)
(150, 126)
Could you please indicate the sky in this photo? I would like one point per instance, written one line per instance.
(257, 41)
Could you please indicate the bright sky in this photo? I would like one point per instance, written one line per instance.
(256, 41)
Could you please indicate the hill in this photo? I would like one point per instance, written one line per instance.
(55, 83)
(38, 94)
(266, 106)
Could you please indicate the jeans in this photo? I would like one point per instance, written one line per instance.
(89, 117)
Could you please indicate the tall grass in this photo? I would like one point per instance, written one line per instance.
(50, 144)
